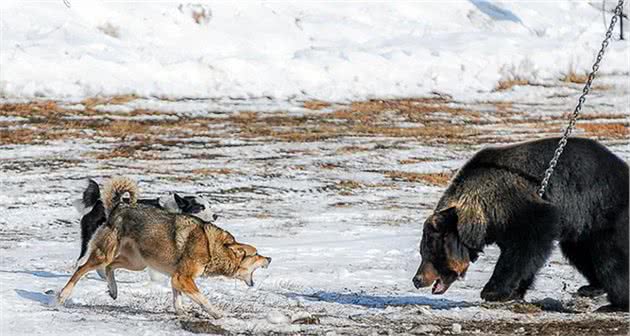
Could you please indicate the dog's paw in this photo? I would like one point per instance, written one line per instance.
(113, 293)
(215, 313)
(60, 299)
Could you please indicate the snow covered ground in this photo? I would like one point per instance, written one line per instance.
(219, 100)
(337, 204)
(336, 51)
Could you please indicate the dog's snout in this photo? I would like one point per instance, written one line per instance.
(268, 260)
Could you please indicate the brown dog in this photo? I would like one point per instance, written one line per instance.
(185, 247)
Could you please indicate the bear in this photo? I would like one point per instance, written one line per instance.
(493, 199)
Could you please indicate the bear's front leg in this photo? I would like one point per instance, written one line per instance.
(516, 268)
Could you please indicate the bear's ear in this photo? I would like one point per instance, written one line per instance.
(445, 220)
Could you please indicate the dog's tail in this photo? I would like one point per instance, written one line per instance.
(91, 195)
(114, 190)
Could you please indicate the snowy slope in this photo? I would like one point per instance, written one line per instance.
(332, 51)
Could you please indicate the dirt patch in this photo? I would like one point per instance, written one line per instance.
(573, 77)
(90, 103)
(316, 105)
(202, 327)
(573, 327)
(434, 179)
(507, 84)
(210, 172)
(600, 130)
(436, 120)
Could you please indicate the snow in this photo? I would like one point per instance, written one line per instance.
(331, 51)
(343, 258)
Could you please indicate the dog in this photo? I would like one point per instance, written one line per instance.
(493, 199)
(136, 236)
(92, 212)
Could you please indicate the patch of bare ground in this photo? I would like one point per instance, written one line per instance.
(575, 327)
(430, 120)
(415, 160)
(594, 116)
(352, 149)
(506, 84)
(316, 105)
(434, 179)
(90, 103)
(213, 171)
(574, 77)
(608, 131)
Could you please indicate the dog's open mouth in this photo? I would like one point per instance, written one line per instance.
(439, 287)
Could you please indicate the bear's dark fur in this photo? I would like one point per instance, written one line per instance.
(493, 199)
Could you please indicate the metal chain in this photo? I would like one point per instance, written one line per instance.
(587, 87)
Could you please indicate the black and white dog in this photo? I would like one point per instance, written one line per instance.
(92, 211)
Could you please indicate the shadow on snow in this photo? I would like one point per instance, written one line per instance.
(375, 301)
(34, 296)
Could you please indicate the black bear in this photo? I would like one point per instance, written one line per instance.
(493, 199)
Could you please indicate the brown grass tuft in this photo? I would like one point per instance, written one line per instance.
(506, 84)
(90, 103)
(573, 77)
(435, 179)
(613, 130)
(316, 105)
(211, 171)
(123, 128)
(415, 160)
(349, 185)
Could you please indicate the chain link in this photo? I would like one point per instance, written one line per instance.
(576, 113)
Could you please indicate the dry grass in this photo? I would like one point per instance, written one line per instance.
(213, 171)
(90, 103)
(594, 116)
(435, 179)
(140, 150)
(573, 77)
(415, 160)
(506, 84)
(613, 130)
(123, 128)
(352, 149)
(366, 118)
(430, 120)
(316, 105)
(328, 165)
(36, 109)
(349, 185)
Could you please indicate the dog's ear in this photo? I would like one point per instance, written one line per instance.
(92, 193)
(244, 249)
(238, 251)
(182, 203)
(228, 238)
(445, 220)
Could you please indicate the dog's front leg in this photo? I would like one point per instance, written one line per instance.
(93, 262)
(177, 302)
(112, 287)
(187, 285)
